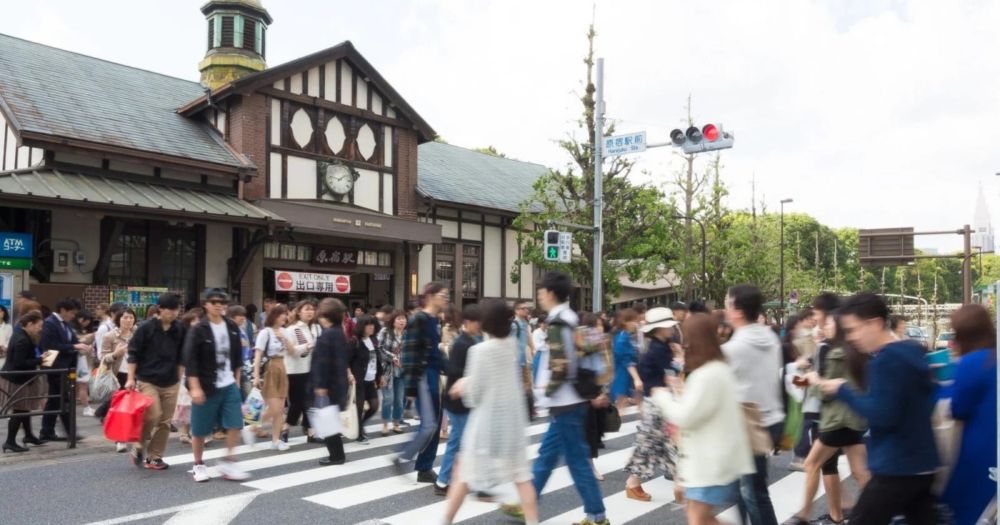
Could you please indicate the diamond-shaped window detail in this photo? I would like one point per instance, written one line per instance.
(302, 128)
(366, 142)
(335, 135)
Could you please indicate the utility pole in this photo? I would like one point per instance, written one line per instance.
(598, 146)
(967, 266)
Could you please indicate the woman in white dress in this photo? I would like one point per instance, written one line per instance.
(494, 446)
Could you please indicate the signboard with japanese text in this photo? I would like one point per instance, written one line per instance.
(7, 292)
(624, 144)
(334, 256)
(285, 281)
(15, 245)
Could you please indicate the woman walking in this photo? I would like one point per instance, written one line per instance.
(495, 441)
(626, 381)
(329, 371)
(6, 330)
(653, 448)
(715, 451)
(17, 390)
(974, 404)
(840, 428)
(271, 341)
(303, 334)
(114, 348)
(365, 370)
(390, 346)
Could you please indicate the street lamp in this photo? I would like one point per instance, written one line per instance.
(781, 287)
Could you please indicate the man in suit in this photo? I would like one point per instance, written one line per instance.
(58, 335)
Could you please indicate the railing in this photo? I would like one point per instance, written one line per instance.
(66, 396)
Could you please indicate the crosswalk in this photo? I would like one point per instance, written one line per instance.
(366, 489)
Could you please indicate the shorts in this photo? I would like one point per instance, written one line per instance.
(715, 495)
(82, 369)
(222, 408)
(842, 437)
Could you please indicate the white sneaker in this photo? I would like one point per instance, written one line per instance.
(89, 412)
(231, 471)
(120, 447)
(200, 473)
(249, 436)
(280, 446)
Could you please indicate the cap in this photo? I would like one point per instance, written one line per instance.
(659, 317)
(214, 293)
(678, 306)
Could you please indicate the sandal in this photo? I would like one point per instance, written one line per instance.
(397, 430)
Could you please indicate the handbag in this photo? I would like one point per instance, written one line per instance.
(349, 417)
(253, 407)
(760, 440)
(793, 425)
(326, 421)
(125, 417)
(612, 419)
(103, 383)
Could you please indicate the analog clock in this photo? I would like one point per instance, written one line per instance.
(337, 178)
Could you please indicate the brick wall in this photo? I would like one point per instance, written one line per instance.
(95, 295)
(247, 135)
(407, 151)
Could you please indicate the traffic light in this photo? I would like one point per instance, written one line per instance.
(551, 245)
(709, 137)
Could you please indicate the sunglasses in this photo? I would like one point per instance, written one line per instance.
(217, 302)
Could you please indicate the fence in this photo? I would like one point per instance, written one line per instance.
(11, 393)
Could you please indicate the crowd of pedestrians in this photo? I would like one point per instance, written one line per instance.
(718, 393)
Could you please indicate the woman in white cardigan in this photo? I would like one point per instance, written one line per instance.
(714, 447)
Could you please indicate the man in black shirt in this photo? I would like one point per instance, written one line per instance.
(154, 368)
(458, 413)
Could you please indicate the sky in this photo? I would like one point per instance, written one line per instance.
(867, 113)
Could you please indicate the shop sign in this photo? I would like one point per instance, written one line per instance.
(15, 245)
(7, 291)
(382, 277)
(334, 256)
(15, 264)
(311, 282)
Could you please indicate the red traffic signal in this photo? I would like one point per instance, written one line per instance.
(710, 132)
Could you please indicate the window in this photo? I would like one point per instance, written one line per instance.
(384, 259)
(271, 250)
(289, 252)
(180, 261)
(228, 30)
(249, 34)
(211, 32)
(444, 265)
(470, 271)
(304, 253)
(370, 258)
(127, 265)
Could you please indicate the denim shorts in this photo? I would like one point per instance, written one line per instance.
(221, 409)
(715, 495)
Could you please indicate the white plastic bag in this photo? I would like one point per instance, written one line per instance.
(102, 385)
(326, 421)
(253, 407)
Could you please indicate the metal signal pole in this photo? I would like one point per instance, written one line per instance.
(598, 188)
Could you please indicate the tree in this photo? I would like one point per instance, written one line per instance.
(635, 217)
(490, 150)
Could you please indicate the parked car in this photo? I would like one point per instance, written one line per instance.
(945, 341)
(917, 333)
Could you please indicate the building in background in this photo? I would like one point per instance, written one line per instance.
(982, 225)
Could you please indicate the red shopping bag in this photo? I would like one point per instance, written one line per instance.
(124, 420)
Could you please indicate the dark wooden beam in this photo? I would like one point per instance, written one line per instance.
(332, 106)
(109, 244)
(245, 258)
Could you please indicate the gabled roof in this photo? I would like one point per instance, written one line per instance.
(54, 94)
(344, 50)
(462, 176)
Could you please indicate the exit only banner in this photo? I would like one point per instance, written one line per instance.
(311, 282)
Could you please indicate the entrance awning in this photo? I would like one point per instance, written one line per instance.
(58, 187)
(331, 219)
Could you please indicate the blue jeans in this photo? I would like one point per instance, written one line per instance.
(458, 422)
(565, 439)
(393, 396)
(425, 443)
(755, 501)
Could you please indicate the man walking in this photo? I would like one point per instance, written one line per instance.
(525, 348)
(754, 353)
(57, 335)
(213, 358)
(902, 454)
(154, 369)
(458, 413)
(565, 437)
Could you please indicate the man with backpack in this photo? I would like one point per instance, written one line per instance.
(570, 388)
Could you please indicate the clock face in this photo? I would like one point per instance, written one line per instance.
(339, 179)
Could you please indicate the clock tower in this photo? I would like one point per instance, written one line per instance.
(237, 32)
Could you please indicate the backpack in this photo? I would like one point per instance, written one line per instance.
(585, 383)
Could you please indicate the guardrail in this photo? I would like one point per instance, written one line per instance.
(66, 396)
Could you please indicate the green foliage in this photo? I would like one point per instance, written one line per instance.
(490, 150)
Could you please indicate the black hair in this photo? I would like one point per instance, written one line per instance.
(362, 322)
(747, 299)
(678, 305)
(497, 317)
(472, 312)
(788, 349)
(698, 307)
(826, 302)
(121, 313)
(432, 288)
(6, 314)
(865, 306)
(894, 321)
(68, 304)
(559, 284)
(169, 301)
(387, 309)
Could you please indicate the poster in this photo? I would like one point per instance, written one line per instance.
(285, 281)
(7, 292)
(138, 298)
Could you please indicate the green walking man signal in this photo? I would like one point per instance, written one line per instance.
(558, 246)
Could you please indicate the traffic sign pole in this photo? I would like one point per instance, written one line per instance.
(597, 305)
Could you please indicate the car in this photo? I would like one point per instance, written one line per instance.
(945, 341)
(918, 334)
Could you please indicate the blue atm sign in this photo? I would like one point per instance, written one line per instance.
(15, 245)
